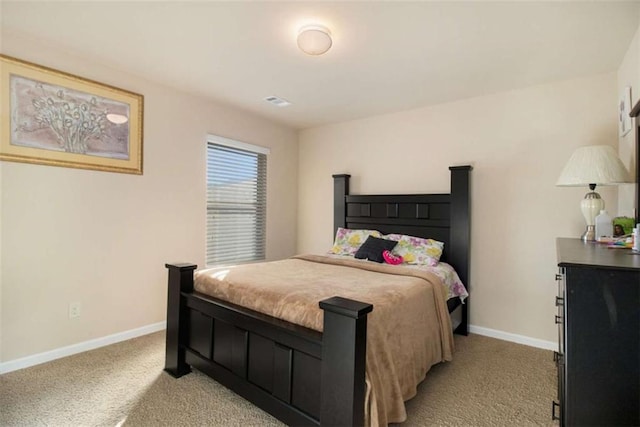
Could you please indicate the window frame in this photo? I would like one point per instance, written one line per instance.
(252, 149)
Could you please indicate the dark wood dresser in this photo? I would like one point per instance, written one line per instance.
(599, 335)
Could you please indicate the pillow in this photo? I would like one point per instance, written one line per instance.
(449, 277)
(348, 241)
(373, 247)
(416, 250)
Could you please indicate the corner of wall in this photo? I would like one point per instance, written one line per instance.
(629, 75)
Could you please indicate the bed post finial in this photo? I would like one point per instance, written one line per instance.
(340, 191)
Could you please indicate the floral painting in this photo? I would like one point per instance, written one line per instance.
(54, 118)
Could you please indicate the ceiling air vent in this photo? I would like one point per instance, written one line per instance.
(278, 102)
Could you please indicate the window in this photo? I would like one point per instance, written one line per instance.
(236, 201)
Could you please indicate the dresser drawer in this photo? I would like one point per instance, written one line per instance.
(560, 302)
(557, 406)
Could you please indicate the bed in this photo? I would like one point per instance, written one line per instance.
(296, 373)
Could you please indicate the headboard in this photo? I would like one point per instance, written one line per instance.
(443, 217)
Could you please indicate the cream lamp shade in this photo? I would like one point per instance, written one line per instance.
(314, 39)
(592, 165)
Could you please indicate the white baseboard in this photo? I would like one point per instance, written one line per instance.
(36, 359)
(519, 339)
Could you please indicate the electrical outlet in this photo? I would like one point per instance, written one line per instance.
(74, 310)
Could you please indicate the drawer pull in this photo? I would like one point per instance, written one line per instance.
(554, 405)
(559, 301)
(557, 357)
(558, 320)
(558, 276)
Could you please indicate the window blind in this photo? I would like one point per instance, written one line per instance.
(236, 204)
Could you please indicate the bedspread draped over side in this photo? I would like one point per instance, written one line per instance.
(409, 329)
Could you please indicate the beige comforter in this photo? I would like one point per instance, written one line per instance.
(409, 329)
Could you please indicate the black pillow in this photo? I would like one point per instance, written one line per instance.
(373, 247)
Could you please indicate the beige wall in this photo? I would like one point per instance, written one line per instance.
(629, 75)
(518, 142)
(102, 238)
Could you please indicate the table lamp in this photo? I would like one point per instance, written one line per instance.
(592, 165)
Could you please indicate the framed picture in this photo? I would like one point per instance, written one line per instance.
(53, 118)
(624, 108)
(623, 225)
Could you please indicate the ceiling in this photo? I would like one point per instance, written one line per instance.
(386, 56)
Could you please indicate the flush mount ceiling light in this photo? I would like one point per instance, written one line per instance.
(314, 39)
(277, 101)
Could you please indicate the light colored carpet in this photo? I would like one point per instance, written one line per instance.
(489, 383)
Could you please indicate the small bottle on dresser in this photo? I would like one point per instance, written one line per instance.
(636, 239)
(604, 226)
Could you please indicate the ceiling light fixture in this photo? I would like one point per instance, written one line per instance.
(277, 101)
(314, 39)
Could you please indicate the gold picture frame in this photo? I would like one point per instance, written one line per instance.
(50, 117)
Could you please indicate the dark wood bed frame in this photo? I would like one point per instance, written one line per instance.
(298, 375)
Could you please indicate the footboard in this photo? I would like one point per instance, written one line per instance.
(300, 376)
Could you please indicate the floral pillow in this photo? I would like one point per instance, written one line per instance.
(450, 279)
(348, 241)
(415, 250)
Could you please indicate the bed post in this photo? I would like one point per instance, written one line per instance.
(180, 280)
(344, 351)
(460, 234)
(340, 190)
